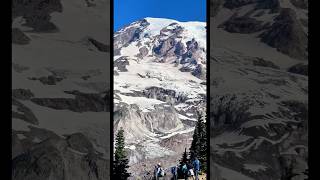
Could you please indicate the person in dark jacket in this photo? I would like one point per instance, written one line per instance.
(196, 167)
(174, 171)
(185, 171)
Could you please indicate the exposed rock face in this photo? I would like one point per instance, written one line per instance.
(278, 25)
(299, 69)
(165, 95)
(264, 63)
(23, 94)
(81, 103)
(55, 159)
(180, 49)
(200, 72)
(244, 25)
(165, 48)
(80, 143)
(287, 35)
(121, 64)
(23, 112)
(48, 80)
(130, 34)
(37, 13)
(18, 37)
(143, 52)
(100, 46)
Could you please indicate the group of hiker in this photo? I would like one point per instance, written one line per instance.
(185, 170)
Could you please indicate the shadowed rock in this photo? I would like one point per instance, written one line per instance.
(299, 69)
(287, 35)
(37, 13)
(100, 46)
(19, 37)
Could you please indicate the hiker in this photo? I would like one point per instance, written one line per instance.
(184, 170)
(159, 172)
(191, 173)
(196, 166)
(174, 171)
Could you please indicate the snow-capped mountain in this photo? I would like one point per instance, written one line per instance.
(159, 85)
(259, 89)
(60, 90)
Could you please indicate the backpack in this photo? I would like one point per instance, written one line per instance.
(190, 172)
(184, 169)
(174, 170)
(161, 172)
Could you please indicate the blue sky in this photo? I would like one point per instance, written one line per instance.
(128, 11)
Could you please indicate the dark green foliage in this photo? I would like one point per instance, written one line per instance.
(199, 144)
(184, 160)
(120, 163)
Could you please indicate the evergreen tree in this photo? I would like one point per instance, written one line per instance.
(184, 160)
(199, 143)
(120, 163)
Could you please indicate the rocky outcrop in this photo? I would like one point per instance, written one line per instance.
(165, 95)
(143, 51)
(244, 25)
(19, 37)
(299, 69)
(100, 46)
(83, 102)
(160, 120)
(23, 112)
(130, 34)
(180, 49)
(200, 72)
(55, 159)
(165, 48)
(37, 13)
(48, 80)
(121, 63)
(287, 35)
(227, 111)
(264, 63)
(22, 94)
(80, 143)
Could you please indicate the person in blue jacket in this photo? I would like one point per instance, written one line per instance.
(196, 167)
(174, 172)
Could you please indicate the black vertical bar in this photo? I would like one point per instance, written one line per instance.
(111, 87)
(9, 134)
(208, 86)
